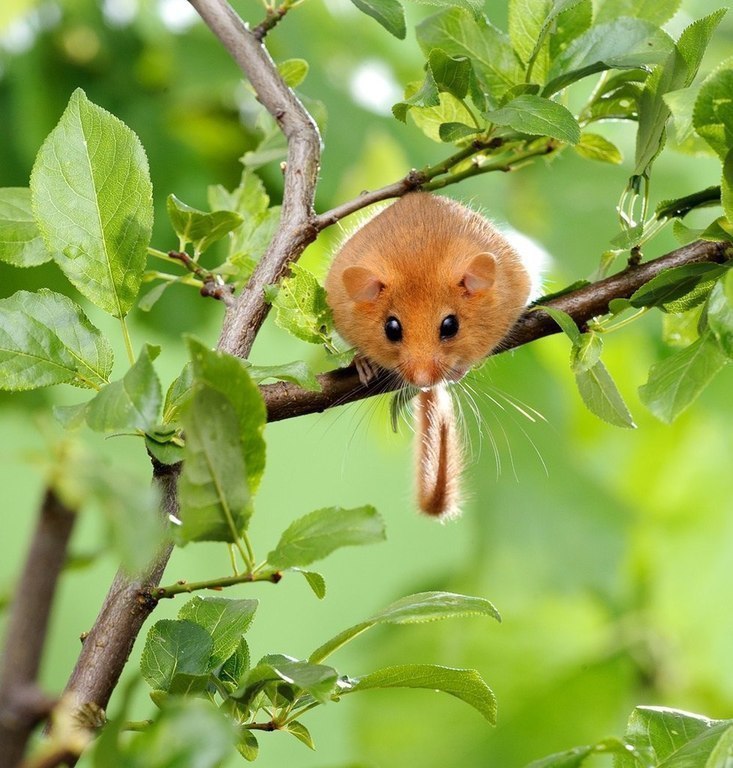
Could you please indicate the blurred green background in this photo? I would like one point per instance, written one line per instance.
(608, 552)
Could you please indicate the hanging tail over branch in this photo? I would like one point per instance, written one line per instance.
(439, 461)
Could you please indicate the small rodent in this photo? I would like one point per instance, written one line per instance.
(427, 289)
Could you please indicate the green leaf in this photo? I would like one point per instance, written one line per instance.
(389, 13)
(300, 732)
(720, 313)
(133, 402)
(228, 375)
(186, 684)
(178, 394)
(574, 758)
(299, 372)
(172, 647)
(571, 758)
(564, 321)
(214, 496)
(459, 33)
(293, 71)
(601, 396)
(622, 103)
(667, 288)
(236, 666)
(726, 186)
(569, 25)
(538, 116)
(450, 111)
(249, 241)
(150, 299)
(413, 609)
(247, 746)
(451, 74)
(20, 239)
(189, 732)
(92, 200)
(301, 307)
(319, 533)
(166, 451)
(674, 383)
(317, 680)
(681, 104)
(681, 206)
(199, 228)
(45, 338)
(622, 44)
(713, 114)
(592, 146)
(529, 23)
(655, 11)
(131, 509)
(475, 6)
(677, 71)
(661, 733)
(450, 133)
(587, 353)
(465, 684)
(225, 620)
(315, 581)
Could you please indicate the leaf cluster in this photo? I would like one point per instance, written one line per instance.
(204, 652)
(656, 737)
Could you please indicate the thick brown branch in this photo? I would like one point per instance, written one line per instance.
(296, 229)
(22, 705)
(284, 401)
(123, 612)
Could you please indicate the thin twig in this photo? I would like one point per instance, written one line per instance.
(213, 284)
(285, 401)
(22, 704)
(272, 19)
(185, 587)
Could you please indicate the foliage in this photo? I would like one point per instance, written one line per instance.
(501, 100)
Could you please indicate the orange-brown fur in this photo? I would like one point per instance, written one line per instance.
(419, 260)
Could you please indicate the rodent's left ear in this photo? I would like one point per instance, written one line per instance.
(362, 284)
(480, 274)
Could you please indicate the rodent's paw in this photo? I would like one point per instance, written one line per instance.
(366, 370)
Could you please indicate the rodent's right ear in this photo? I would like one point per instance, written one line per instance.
(362, 284)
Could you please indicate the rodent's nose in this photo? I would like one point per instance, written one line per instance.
(424, 375)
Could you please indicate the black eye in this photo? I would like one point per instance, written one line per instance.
(449, 327)
(393, 329)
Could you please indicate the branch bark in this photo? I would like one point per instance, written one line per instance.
(296, 229)
(285, 401)
(22, 704)
(127, 605)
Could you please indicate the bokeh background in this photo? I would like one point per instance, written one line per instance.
(607, 551)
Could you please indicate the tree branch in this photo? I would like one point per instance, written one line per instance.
(296, 229)
(22, 704)
(284, 401)
(127, 605)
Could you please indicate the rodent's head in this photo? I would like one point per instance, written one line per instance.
(428, 327)
(427, 288)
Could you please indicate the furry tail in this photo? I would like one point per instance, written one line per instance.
(438, 454)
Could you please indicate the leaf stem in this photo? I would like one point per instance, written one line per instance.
(185, 587)
(128, 341)
(600, 327)
(250, 552)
